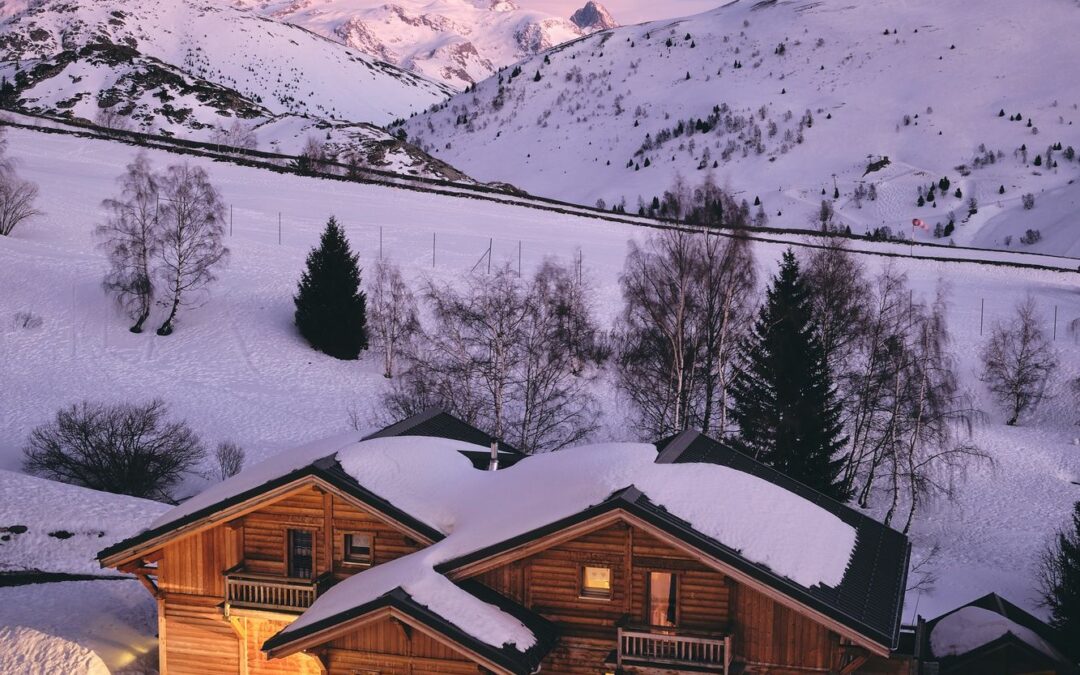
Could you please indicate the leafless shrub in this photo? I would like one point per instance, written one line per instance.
(121, 448)
(236, 135)
(229, 458)
(28, 320)
(112, 119)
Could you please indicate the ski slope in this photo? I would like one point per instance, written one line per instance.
(807, 96)
(235, 368)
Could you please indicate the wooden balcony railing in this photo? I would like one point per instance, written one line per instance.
(263, 591)
(675, 648)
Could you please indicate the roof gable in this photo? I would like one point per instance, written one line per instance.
(872, 591)
(403, 606)
(325, 473)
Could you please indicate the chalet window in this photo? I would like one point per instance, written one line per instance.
(358, 549)
(595, 582)
(301, 554)
(663, 599)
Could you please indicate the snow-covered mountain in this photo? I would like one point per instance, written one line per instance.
(192, 67)
(283, 68)
(792, 102)
(454, 41)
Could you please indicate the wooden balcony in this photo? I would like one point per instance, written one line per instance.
(271, 593)
(653, 648)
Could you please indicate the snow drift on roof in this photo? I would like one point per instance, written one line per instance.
(432, 481)
(764, 522)
(259, 474)
(969, 628)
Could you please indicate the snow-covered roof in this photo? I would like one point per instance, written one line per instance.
(256, 476)
(432, 480)
(969, 628)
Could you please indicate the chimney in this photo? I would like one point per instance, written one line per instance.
(493, 463)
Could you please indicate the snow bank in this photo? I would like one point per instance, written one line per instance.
(65, 525)
(430, 479)
(29, 651)
(972, 627)
(74, 627)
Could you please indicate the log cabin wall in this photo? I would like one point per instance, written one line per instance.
(265, 533)
(769, 635)
(195, 637)
(387, 647)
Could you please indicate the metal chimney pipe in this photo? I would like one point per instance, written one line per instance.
(493, 463)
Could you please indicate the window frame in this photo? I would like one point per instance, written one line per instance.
(346, 538)
(675, 577)
(289, 565)
(586, 593)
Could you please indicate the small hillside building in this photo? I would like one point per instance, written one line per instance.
(989, 636)
(420, 550)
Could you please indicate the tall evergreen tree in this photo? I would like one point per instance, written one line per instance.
(1061, 583)
(330, 307)
(784, 401)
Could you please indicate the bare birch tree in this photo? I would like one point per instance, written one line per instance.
(726, 304)
(229, 458)
(392, 312)
(553, 407)
(910, 422)
(191, 217)
(1018, 361)
(659, 335)
(508, 355)
(17, 196)
(131, 240)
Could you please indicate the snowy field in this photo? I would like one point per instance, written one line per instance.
(235, 368)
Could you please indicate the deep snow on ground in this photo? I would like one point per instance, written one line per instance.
(75, 627)
(926, 95)
(235, 368)
(47, 526)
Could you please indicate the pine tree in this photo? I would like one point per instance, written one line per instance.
(784, 401)
(330, 307)
(1061, 583)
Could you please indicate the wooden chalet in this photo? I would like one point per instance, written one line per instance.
(298, 566)
(989, 636)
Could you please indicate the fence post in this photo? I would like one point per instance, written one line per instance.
(490, 242)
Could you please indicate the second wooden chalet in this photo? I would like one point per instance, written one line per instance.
(420, 550)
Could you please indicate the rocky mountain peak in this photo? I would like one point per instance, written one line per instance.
(593, 17)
